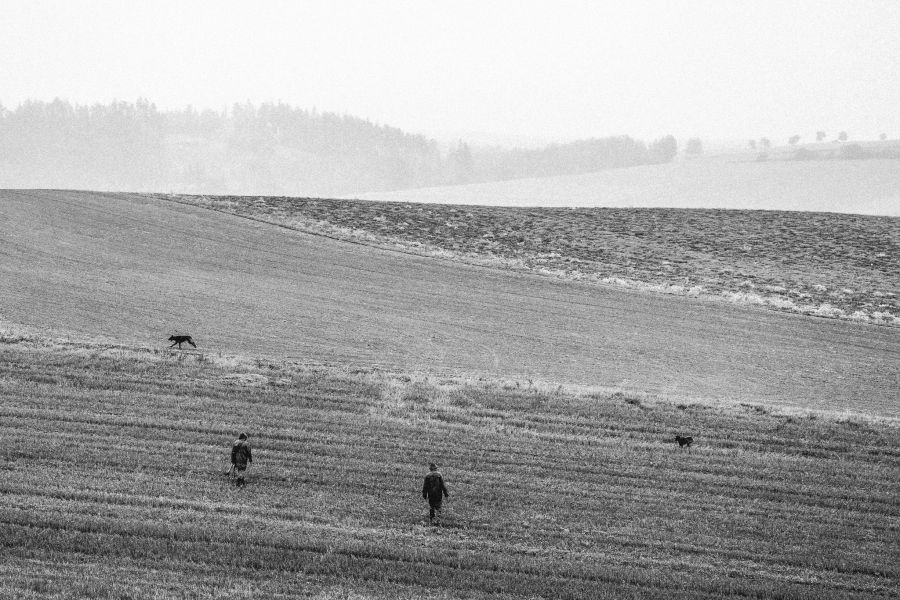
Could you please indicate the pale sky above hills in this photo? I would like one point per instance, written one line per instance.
(510, 69)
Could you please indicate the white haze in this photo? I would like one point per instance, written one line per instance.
(508, 69)
(869, 187)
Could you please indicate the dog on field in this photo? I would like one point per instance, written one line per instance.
(180, 339)
(684, 441)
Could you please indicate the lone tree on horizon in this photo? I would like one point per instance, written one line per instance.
(793, 140)
(882, 137)
(842, 136)
(665, 149)
(694, 147)
(820, 135)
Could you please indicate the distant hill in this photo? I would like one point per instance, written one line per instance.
(735, 181)
(834, 150)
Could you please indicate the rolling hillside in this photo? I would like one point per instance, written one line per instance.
(823, 264)
(135, 269)
(550, 405)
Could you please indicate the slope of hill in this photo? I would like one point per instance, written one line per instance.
(823, 264)
(842, 186)
(112, 485)
(136, 268)
(354, 366)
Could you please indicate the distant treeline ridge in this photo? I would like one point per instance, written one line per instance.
(271, 149)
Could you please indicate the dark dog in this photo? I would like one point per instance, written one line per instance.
(180, 339)
(684, 441)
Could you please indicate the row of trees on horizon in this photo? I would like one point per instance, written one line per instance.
(821, 137)
(271, 148)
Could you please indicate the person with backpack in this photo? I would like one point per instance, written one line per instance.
(241, 457)
(434, 491)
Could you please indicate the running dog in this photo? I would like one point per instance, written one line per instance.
(180, 339)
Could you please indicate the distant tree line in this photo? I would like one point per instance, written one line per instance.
(271, 148)
(582, 156)
(864, 150)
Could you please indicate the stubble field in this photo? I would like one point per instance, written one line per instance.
(112, 486)
(353, 365)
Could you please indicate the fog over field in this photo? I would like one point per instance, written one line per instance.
(729, 182)
(311, 100)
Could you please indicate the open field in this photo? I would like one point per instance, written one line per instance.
(721, 182)
(353, 365)
(828, 265)
(135, 269)
(112, 486)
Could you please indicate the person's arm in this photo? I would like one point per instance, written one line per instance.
(425, 488)
(444, 489)
(234, 454)
(249, 454)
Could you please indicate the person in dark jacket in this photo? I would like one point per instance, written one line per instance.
(434, 491)
(241, 457)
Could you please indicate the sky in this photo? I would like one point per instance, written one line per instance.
(502, 70)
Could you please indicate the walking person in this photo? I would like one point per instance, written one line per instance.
(241, 457)
(434, 491)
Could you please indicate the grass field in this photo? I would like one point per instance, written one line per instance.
(112, 486)
(823, 264)
(550, 404)
(136, 269)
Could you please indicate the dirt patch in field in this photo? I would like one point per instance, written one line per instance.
(823, 264)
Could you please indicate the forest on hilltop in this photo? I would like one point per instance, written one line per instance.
(272, 149)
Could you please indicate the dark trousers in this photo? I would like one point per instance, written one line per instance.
(240, 472)
(434, 505)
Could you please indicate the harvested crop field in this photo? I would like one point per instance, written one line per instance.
(352, 365)
(112, 486)
(824, 264)
(136, 269)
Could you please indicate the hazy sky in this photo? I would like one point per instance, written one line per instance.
(552, 70)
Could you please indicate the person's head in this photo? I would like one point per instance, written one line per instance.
(432, 467)
(243, 436)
